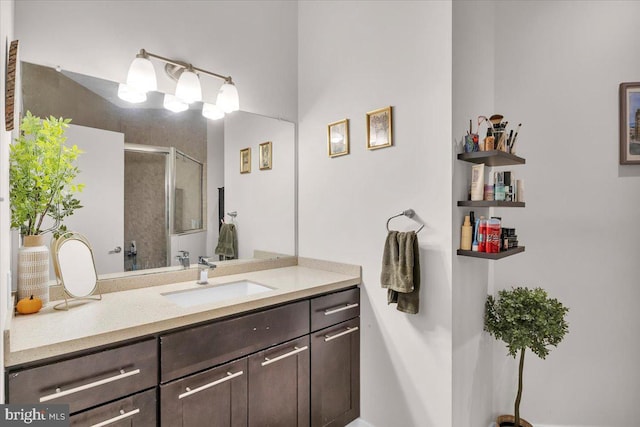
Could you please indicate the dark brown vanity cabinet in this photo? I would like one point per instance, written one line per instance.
(293, 365)
(266, 385)
(279, 385)
(335, 359)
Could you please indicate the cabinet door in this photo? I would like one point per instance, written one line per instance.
(213, 398)
(138, 410)
(335, 375)
(279, 385)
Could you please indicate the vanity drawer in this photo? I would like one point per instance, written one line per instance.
(88, 380)
(138, 410)
(334, 308)
(205, 346)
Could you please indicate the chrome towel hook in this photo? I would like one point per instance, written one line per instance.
(409, 213)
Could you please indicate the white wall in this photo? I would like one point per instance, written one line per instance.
(356, 57)
(558, 66)
(473, 95)
(6, 36)
(264, 199)
(253, 41)
(101, 168)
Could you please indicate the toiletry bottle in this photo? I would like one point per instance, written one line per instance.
(489, 140)
(482, 235)
(493, 235)
(474, 246)
(465, 236)
(472, 218)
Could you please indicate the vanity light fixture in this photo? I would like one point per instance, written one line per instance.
(172, 103)
(142, 78)
(131, 95)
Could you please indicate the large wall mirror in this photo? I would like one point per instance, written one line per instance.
(159, 182)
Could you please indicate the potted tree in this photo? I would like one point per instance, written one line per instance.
(524, 319)
(41, 174)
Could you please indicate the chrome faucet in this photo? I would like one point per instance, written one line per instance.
(203, 266)
(183, 258)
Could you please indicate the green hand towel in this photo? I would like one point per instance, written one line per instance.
(227, 241)
(401, 270)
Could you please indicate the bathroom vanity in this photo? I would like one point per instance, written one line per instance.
(288, 357)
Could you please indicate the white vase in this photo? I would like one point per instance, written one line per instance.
(33, 269)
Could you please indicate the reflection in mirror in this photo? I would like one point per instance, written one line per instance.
(188, 194)
(75, 267)
(128, 204)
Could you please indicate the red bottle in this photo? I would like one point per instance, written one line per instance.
(493, 235)
(482, 235)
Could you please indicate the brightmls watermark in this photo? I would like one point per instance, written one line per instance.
(34, 415)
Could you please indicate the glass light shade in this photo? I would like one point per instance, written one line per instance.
(212, 111)
(129, 94)
(174, 104)
(142, 75)
(228, 98)
(188, 88)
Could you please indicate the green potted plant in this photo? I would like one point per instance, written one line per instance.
(41, 185)
(525, 319)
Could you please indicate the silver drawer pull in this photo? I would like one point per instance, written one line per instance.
(295, 350)
(59, 393)
(338, 309)
(122, 416)
(333, 337)
(229, 376)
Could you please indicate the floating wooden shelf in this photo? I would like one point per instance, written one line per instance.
(491, 204)
(492, 158)
(487, 255)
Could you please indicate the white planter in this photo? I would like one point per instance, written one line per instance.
(33, 269)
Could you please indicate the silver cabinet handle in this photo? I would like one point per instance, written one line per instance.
(116, 250)
(122, 416)
(295, 350)
(333, 337)
(229, 376)
(59, 393)
(338, 309)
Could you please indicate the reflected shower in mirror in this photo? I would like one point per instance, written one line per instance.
(138, 215)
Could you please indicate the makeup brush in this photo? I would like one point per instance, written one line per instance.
(515, 137)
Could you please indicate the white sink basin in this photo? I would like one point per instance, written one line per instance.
(216, 293)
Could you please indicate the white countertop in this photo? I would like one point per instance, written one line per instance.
(135, 313)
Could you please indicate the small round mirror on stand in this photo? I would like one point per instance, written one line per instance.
(75, 268)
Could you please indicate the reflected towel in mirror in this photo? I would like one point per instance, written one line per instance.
(401, 270)
(227, 242)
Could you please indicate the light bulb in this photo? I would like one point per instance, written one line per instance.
(142, 75)
(174, 104)
(188, 88)
(228, 98)
(129, 94)
(212, 111)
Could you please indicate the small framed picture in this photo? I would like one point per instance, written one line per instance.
(630, 123)
(379, 129)
(338, 138)
(265, 155)
(245, 160)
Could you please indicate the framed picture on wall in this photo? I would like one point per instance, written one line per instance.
(630, 123)
(266, 150)
(338, 138)
(245, 160)
(379, 129)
